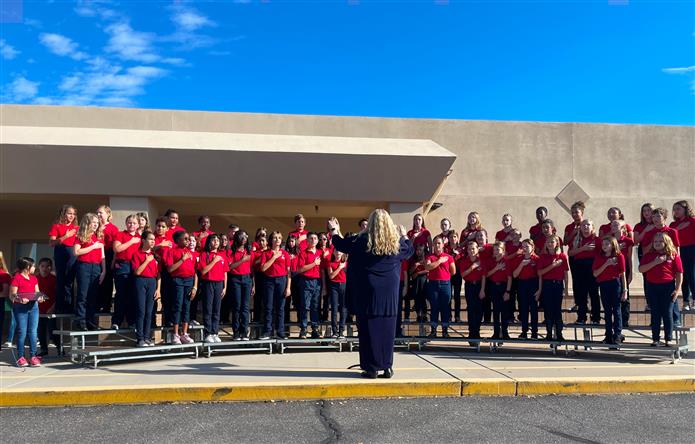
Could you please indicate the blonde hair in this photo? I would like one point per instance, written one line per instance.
(669, 248)
(615, 248)
(558, 246)
(62, 213)
(3, 264)
(107, 210)
(578, 239)
(83, 233)
(382, 237)
(478, 223)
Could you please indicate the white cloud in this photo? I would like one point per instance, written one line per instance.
(7, 51)
(61, 45)
(129, 44)
(189, 20)
(682, 70)
(20, 90)
(94, 8)
(32, 22)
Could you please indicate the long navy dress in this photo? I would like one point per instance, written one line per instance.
(374, 298)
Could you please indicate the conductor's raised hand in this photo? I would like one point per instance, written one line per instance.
(333, 225)
(402, 231)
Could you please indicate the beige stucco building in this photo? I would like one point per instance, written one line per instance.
(261, 169)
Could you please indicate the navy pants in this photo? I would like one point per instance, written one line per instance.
(528, 304)
(181, 301)
(241, 298)
(440, 302)
(212, 292)
(659, 296)
(586, 288)
(418, 293)
(124, 304)
(688, 259)
(456, 283)
(87, 294)
(474, 306)
(144, 296)
(275, 304)
(500, 308)
(611, 291)
(258, 297)
(311, 297)
(337, 291)
(64, 259)
(106, 287)
(551, 296)
(376, 336)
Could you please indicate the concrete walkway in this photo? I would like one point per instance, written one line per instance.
(441, 370)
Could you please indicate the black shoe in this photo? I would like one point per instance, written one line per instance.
(607, 340)
(494, 336)
(445, 334)
(369, 375)
(282, 336)
(388, 373)
(580, 321)
(315, 334)
(457, 319)
(534, 336)
(433, 334)
(618, 339)
(302, 334)
(505, 335)
(560, 338)
(81, 328)
(523, 335)
(622, 338)
(548, 338)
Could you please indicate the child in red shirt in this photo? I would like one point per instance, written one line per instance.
(91, 270)
(181, 265)
(62, 237)
(275, 264)
(524, 268)
(47, 286)
(552, 272)
(440, 266)
(609, 271)
(499, 285)
(335, 268)
(418, 282)
(241, 284)
(471, 270)
(213, 268)
(582, 251)
(147, 287)
(24, 289)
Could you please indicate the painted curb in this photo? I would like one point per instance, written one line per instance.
(616, 386)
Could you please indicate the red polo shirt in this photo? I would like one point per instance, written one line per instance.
(94, 256)
(218, 271)
(127, 254)
(612, 271)
(583, 241)
(187, 268)
(664, 272)
(340, 277)
(170, 232)
(59, 230)
(673, 234)
(557, 273)
(24, 284)
(307, 257)
(245, 267)
(501, 235)
(297, 233)
(47, 286)
(528, 271)
(464, 263)
(498, 276)
(605, 229)
(110, 232)
(280, 266)
(152, 268)
(442, 272)
(686, 235)
(419, 237)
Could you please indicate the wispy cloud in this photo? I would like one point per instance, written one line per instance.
(20, 90)
(62, 46)
(189, 22)
(682, 70)
(129, 44)
(7, 51)
(95, 8)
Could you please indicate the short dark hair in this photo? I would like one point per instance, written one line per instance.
(362, 220)
(178, 235)
(24, 263)
(233, 227)
(170, 211)
(48, 260)
(200, 219)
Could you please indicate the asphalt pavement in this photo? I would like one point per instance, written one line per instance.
(546, 419)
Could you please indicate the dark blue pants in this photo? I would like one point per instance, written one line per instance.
(474, 306)
(212, 292)
(337, 290)
(551, 296)
(64, 259)
(528, 304)
(241, 298)
(376, 336)
(500, 308)
(440, 302)
(311, 296)
(258, 297)
(586, 288)
(124, 304)
(181, 302)
(456, 283)
(106, 287)
(659, 296)
(611, 291)
(275, 304)
(418, 293)
(688, 259)
(625, 305)
(167, 294)
(87, 293)
(144, 295)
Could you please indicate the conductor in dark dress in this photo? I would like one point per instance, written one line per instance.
(375, 258)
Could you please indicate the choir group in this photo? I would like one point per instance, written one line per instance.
(240, 280)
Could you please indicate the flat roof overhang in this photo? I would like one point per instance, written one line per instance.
(128, 162)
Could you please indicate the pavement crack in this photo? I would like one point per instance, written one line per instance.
(568, 436)
(323, 411)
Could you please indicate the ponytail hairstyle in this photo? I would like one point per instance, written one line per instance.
(24, 264)
(621, 216)
(63, 214)
(107, 210)
(237, 241)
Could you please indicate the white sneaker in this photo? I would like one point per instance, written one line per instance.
(210, 339)
(176, 340)
(185, 339)
(195, 323)
(7, 345)
(217, 338)
(114, 327)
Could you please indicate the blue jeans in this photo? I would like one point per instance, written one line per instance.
(440, 301)
(144, 293)
(311, 297)
(241, 298)
(611, 291)
(551, 296)
(275, 304)
(181, 302)
(124, 303)
(661, 308)
(212, 290)
(474, 307)
(528, 304)
(27, 318)
(337, 290)
(87, 277)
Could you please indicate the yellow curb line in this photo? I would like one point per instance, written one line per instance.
(293, 392)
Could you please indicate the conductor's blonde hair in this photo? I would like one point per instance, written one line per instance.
(382, 236)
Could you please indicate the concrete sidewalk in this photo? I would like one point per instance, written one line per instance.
(436, 371)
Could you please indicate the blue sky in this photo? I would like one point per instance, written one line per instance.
(618, 61)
